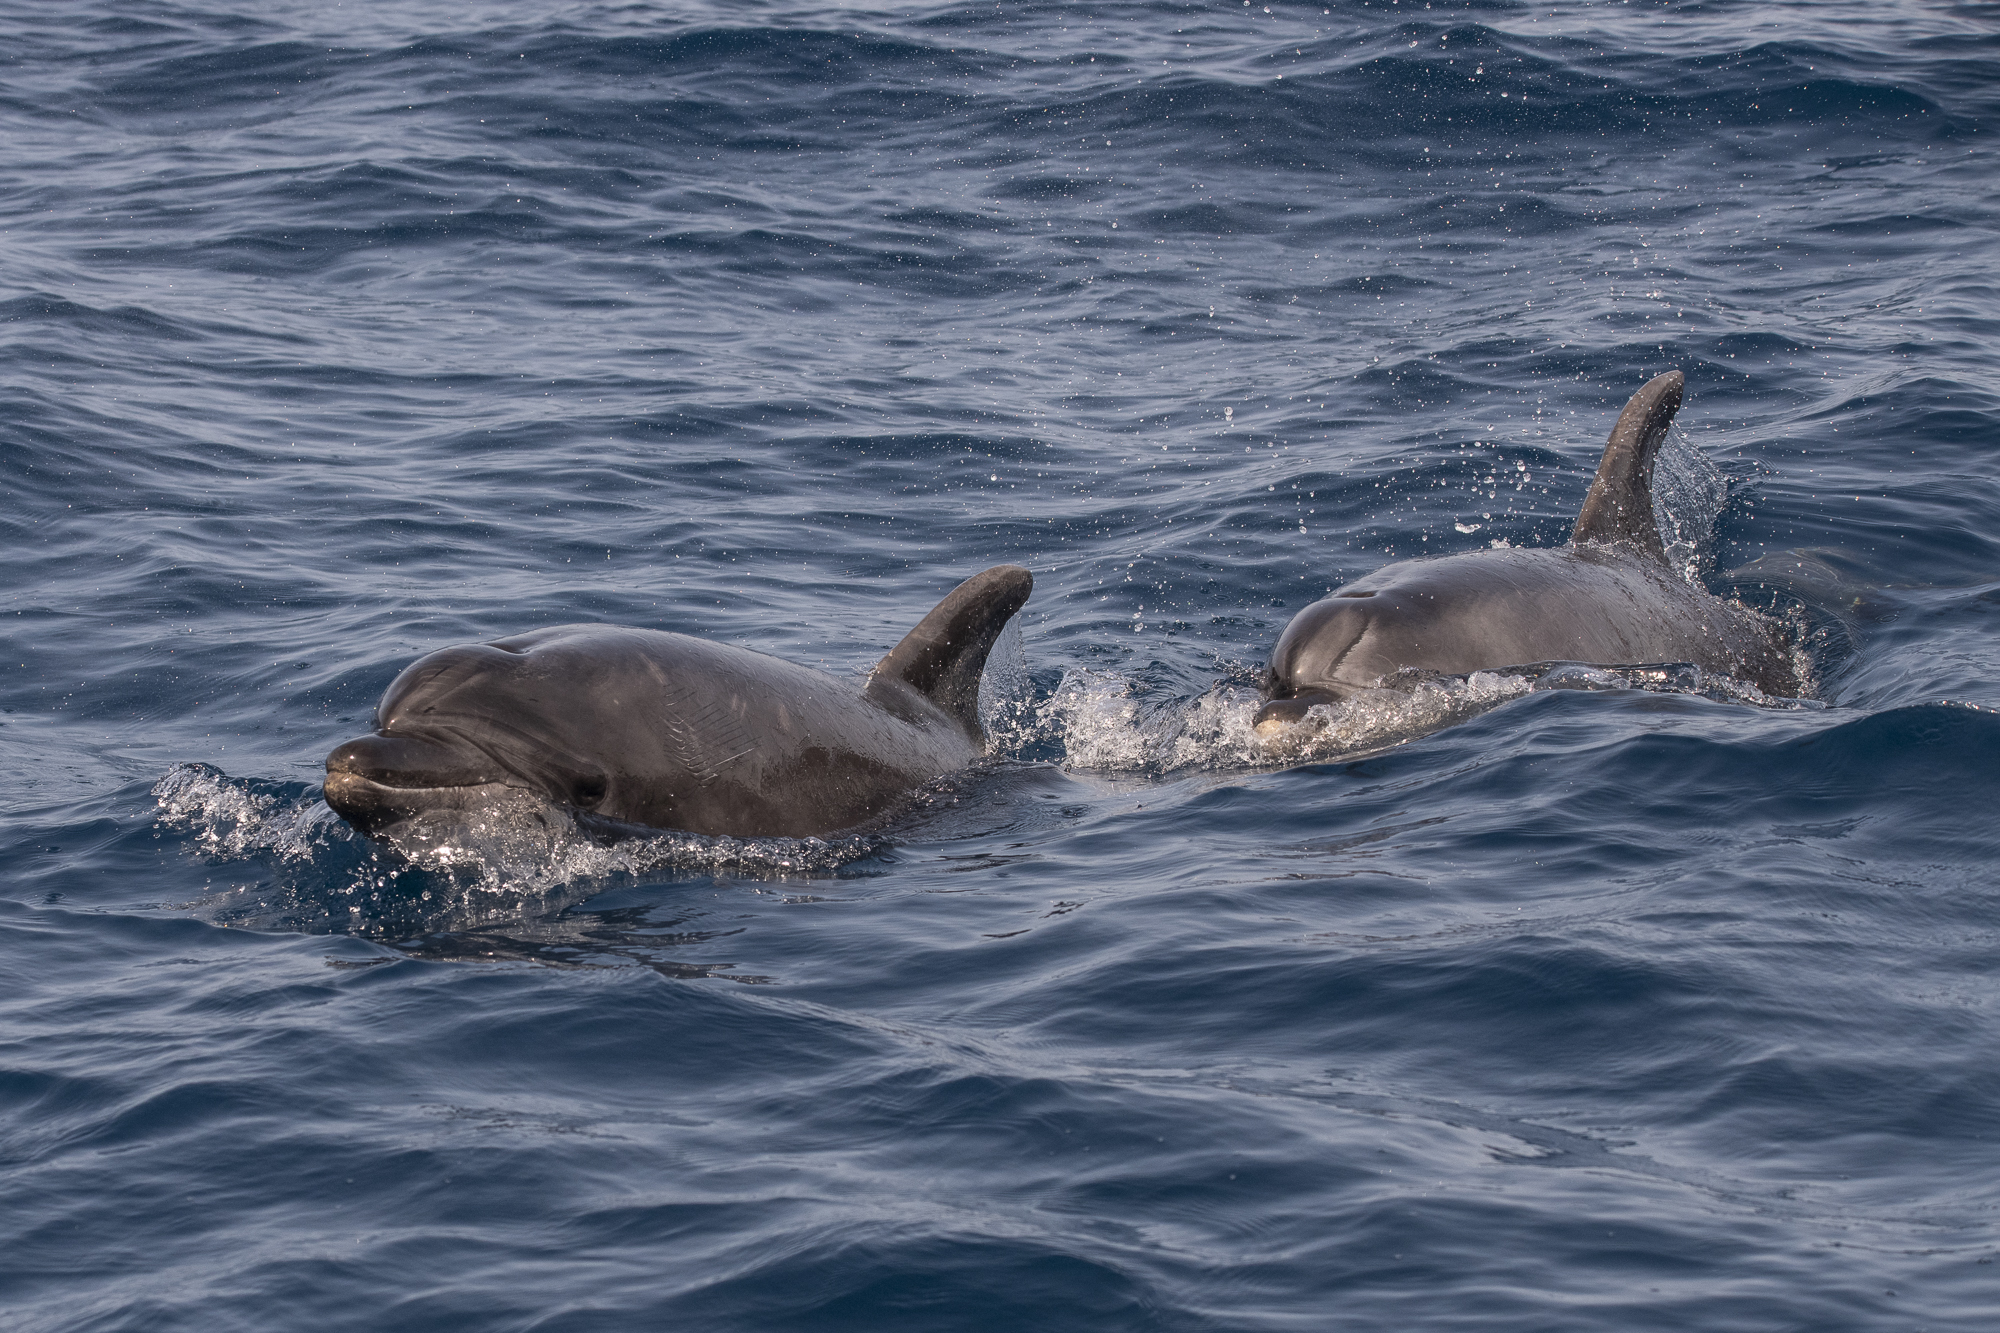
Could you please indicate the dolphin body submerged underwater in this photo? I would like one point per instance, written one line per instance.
(666, 731)
(1609, 598)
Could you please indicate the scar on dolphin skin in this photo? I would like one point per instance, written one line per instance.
(1609, 598)
(636, 727)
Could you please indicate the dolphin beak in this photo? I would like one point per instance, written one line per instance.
(1277, 717)
(414, 761)
(382, 779)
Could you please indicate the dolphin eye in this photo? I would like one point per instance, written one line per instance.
(588, 791)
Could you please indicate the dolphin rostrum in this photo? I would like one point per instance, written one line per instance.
(1609, 598)
(641, 727)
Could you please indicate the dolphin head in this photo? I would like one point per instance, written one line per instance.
(1305, 667)
(459, 730)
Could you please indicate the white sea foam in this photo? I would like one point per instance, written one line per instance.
(230, 819)
(518, 859)
(518, 851)
(1104, 726)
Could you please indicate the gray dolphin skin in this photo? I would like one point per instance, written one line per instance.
(1609, 598)
(641, 727)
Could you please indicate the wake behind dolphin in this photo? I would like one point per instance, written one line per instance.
(1609, 598)
(666, 731)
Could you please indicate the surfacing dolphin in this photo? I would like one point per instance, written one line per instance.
(641, 727)
(1609, 598)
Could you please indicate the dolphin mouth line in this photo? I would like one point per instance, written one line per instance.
(374, 807)
(354, 783)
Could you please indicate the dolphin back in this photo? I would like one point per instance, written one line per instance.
(1619, 507)
(942, 658)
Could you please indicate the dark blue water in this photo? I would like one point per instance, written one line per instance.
(335, 334)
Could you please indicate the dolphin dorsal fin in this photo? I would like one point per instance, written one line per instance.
(942, 658)
(1619, 507)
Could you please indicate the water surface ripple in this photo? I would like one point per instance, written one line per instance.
(332, 335)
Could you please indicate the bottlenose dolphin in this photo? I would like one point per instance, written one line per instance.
(637, 726)
(1609, 598)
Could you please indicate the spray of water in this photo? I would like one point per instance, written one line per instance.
(1104, 726)
(228, 820)
(521, 858)
(1689, 492)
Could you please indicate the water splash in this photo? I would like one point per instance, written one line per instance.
(309, 871)
(1005, 688)
(1103, 723)
(513, 852)
(230, 819)
(1689, 492)
(1659, 678)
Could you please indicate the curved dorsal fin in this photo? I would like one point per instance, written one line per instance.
(1619, 507)
(943, 656)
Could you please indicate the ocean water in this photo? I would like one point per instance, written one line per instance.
(333, 334)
